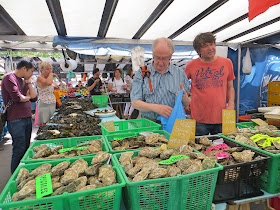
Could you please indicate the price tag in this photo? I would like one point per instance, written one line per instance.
(217, 147)
(222, 155)
(259, 137)
(70, 149)
(259, 121)
(110, 126)
(43, 185)
(229, 121)
(173, 159)
(267, 143)
(183, 130)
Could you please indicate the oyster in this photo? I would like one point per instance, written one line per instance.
(276, 144)
(57, 156)
(197, 166)
(83, 182)
(173, 170)
(69, 176)
(43, 169)
(69, 188)
(22, 175)
(208, 163)
(158, 173)
(59, 169)
(244, 156)
(23, 182)
(100, 157)
(133, 171)
(150, 165)
(166, 154)
(184, 163)
(88, 187)
(40, 147)
(125, 158)
(152, 138)
(140, 160)
(80, 166)
(142, 175)
(107, 175)
(93, 169)
(28, 189)
(95, 181)
(149, 152)
(205, 141)
(56, 185)
(46, 151)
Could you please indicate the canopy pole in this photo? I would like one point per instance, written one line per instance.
(238, 82)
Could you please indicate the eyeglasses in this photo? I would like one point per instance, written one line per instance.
(162, 59)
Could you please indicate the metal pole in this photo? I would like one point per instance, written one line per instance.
(238, 82)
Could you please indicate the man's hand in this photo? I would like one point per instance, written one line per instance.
(230, 107)
(186, 100)
(163, 110)
(96, 81)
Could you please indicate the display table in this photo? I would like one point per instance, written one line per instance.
(104, 119)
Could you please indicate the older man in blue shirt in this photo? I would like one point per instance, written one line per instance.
(166, 80)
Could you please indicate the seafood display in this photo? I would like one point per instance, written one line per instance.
(223, 153)
(71, 121)
(266, 138)
(66, 177)
(147, 164)
(152, 140)
(45, 152)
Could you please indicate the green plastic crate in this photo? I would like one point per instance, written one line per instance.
(109, 138)
(131, 126)
(192, 191)
(101, 198)
(270, 180)
(66, 142)
(100, 100)
(247, 125)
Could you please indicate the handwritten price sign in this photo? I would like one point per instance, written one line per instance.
(183, 131)
(217, 147)
(222, 155)
(229, 121)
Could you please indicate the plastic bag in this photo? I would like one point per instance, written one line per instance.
(177, 113)
(247, 64)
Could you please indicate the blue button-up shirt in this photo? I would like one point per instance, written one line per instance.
(165, 86)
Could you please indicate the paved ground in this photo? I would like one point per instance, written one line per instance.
(5, 158)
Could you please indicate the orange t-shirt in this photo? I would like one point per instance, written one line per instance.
(209, 88)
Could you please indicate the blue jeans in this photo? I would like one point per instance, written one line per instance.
(20, 130)
(206, 129)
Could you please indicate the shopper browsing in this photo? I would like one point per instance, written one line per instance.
(94, 84)
(212, 85)
(17, 92)
(165, 79)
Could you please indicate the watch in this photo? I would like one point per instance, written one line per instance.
(28, 83)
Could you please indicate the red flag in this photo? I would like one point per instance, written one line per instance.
(257, 7)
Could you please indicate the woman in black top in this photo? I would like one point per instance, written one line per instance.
(94, 83)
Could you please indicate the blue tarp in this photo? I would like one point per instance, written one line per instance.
(253, 87)
(84, 45)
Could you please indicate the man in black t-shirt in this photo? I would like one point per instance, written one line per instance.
(94, 84)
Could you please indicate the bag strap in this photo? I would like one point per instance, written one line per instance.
(146, 73)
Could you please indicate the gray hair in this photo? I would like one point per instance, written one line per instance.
(164, 39)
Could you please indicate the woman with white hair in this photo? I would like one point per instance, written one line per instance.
(47, 100)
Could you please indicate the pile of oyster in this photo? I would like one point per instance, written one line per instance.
(235, 154)
(45, 152)
(146, 165)
(71, 121)
(244, 135)
(152, 140)
(66, 177)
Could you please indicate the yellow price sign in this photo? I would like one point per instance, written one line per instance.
(229, 121)
(183, 131)
(110, 126)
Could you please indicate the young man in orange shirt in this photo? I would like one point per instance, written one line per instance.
(212, 85)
